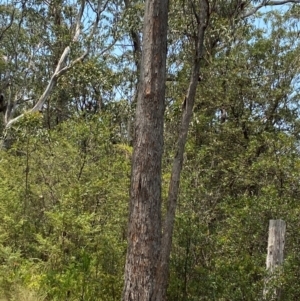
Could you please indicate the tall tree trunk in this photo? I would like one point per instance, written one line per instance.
(188, 104)
(144, 230)
(147, 262)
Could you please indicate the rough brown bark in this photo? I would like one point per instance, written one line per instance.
(144, 231)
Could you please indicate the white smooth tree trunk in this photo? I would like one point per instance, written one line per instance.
(274, 260)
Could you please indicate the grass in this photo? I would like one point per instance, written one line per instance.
(22, 294)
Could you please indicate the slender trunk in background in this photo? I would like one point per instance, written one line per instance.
(201, 15)
(144, 229)
(137, 51)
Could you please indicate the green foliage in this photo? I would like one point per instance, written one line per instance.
(63, 204)
(64, 182)
(239, 174)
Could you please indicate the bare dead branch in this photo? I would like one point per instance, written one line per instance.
(266, 3)
(9, 24)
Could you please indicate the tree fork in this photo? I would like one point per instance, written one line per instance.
(163, 266)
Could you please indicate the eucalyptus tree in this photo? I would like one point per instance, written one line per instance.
(43, 42)
(202, 21)
(234, 178)
(145, 217)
